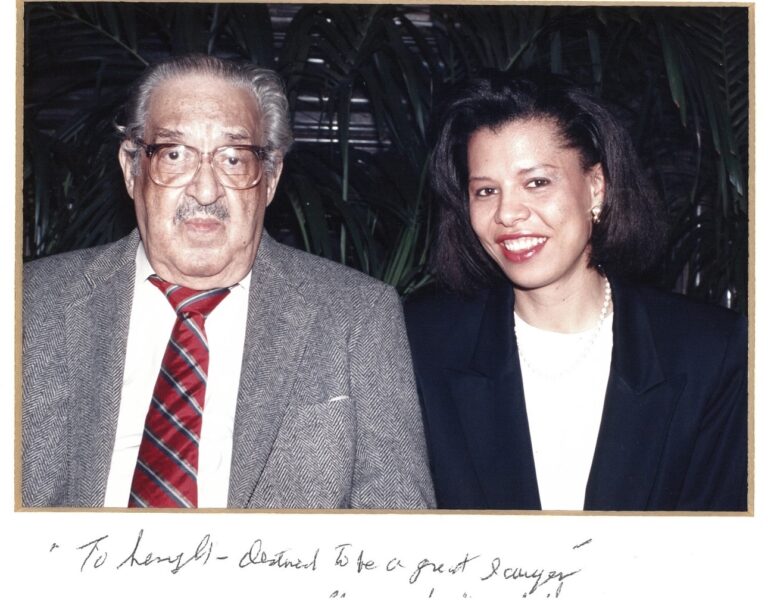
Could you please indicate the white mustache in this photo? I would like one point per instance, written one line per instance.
(190, 208)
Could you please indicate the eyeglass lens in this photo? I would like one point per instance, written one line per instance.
(176, 165)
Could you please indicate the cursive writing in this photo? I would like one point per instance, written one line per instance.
(177, 562)
(255, 555)
(439, 568)
(432, 575)
(92, 550)
(539, 576)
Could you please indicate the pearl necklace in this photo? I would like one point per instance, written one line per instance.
(584, 351)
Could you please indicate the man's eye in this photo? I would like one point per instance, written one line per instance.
(173, 154)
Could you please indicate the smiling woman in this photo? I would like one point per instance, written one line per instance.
(547, 379)
(529, 204)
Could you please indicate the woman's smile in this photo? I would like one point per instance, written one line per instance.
(520, 248)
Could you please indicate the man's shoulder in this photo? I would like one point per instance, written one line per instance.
(61, 265)
(320, 278)
(60, 272)
(76, 262)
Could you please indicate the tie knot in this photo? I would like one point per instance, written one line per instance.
(186, 301)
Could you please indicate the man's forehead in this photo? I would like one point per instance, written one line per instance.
(183, 104)
(233, 134)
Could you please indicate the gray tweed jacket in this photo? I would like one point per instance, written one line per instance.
(327, 413)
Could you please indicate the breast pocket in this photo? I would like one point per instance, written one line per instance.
(312, 462)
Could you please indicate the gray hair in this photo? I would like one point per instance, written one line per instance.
(266, 85)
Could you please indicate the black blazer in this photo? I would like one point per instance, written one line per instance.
(673, 434)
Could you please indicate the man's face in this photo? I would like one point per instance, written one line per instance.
(201, 235)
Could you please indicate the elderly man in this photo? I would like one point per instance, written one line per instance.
(197, 362)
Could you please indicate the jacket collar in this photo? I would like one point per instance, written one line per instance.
(633, 333)
(638, 404)
(495, 348)
(487, 395)
(640, 400)
(96, 322)
(116, 259)
(278, 315)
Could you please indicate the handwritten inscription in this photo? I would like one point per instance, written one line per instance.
(257, 556)
(427, 573)
(141, 558)
(539, 576)
(440, 568)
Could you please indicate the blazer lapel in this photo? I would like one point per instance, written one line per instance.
(276, 334)
(97, 333)
(639, 404)
(490, 403)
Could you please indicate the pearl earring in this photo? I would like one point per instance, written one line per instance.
(595, 211)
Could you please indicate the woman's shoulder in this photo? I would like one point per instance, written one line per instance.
(437, 301)
(439, 320)
(436, 308)
(681, 316)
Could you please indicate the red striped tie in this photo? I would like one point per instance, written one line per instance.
(166, 468)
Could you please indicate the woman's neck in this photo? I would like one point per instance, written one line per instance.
(569, 306)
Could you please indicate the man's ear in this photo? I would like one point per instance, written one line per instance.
(273, 180)
(126, 156)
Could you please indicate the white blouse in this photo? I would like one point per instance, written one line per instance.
(564, 379)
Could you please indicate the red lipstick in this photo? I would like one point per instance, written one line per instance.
(521, 247)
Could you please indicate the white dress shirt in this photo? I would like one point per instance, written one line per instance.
(564, 404)
(152, 319)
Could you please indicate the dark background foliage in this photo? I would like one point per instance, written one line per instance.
(362, 80)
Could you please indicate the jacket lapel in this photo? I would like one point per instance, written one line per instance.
(96, 325)
(639, 404)
(489, 401)
(276, 335)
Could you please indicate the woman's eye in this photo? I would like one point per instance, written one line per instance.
(484, 192)
(536, 183)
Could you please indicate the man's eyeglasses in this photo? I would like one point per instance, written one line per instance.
(175, 165)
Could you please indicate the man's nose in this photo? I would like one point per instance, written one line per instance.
(205, 186)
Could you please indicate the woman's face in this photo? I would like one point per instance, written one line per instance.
(530, 202)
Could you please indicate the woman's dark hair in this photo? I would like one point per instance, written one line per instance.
(632, 228)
